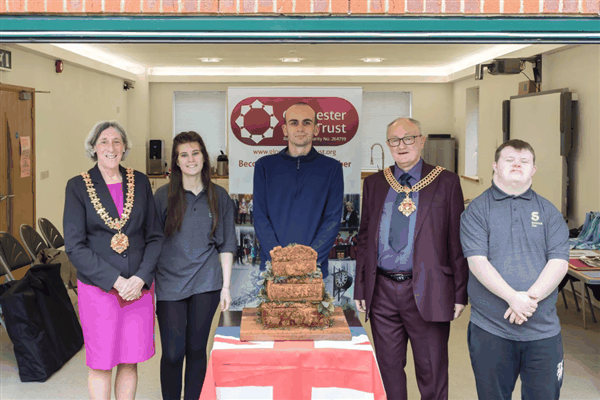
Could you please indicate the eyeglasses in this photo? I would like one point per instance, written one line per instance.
(408, 141)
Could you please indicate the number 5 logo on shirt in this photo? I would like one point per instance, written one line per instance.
(535, 216)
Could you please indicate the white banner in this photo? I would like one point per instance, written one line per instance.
(255, 116)
(255, 120)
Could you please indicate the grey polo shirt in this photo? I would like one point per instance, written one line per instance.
(518, 235)
(189, 263)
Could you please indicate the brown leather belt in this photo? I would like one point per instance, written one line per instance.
(398, 277)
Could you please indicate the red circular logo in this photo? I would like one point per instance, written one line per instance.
(258, 120)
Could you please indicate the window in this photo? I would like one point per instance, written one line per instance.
(199, 111)
(378, 110)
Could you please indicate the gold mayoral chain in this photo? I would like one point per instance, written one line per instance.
(120, 241)
(407, 206)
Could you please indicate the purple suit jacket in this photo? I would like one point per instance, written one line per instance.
(440, 271)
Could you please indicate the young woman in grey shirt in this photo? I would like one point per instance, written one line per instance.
(194, 270)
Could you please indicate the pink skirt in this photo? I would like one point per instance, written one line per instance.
(115, 331)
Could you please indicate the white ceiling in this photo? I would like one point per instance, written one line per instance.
(173, 62)
(312, 55)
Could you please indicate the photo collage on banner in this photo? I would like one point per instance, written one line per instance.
(255, 120)
(342, 257)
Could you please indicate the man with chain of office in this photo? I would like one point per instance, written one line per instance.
(411, 276)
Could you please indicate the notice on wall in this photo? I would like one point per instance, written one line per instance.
(25, 156)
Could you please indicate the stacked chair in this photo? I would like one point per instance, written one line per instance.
(51, 234)
(12, 257)
(32, 241)
(6, 273)
(55, 240)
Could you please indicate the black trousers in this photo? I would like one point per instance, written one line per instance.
(498, 362)
(184, 328)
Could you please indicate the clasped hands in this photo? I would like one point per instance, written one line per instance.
(521, 306)
(129, 289)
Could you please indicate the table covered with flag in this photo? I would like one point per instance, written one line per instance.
(324, 369)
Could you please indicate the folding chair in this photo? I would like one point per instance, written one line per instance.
(4, 271)
(12, 257)
(32, 240)
(51, 234)
(561, 286)
(53, 239)
(12, 254)
(596, 293)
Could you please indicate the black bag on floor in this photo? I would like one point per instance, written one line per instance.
(41, 322)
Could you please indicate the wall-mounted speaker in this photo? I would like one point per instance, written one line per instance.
(155, 164)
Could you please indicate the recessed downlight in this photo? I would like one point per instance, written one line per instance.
(210, 59)
(291, 60)
(372, 60)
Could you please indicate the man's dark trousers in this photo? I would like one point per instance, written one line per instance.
(395, 319)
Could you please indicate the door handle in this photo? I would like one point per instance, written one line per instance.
(2, 197)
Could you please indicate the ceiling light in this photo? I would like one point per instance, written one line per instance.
(210, 60)
(372, 60)
(291, 60)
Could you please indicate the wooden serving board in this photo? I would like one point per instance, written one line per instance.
(251, 330)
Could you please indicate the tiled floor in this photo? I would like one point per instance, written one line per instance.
(581, 381)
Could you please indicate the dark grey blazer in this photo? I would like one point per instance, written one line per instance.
(87, 237)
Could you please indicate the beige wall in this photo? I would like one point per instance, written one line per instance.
(492, 91)
(79, 98)
(577, 69)
(431, 103)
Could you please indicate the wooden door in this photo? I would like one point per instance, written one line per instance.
(17, 160)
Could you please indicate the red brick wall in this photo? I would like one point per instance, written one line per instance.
(304, 7)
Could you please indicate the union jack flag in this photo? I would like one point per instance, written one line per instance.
(306, 370)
